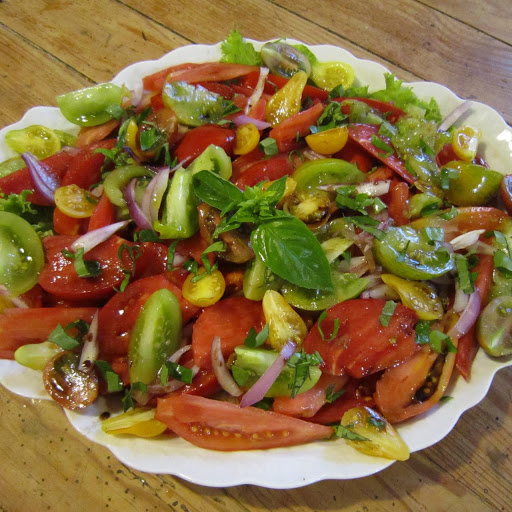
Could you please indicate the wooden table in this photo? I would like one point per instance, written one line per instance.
(53, 46)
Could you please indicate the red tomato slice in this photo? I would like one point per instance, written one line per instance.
(103, 214)
(362, 344)
(231, 319)
(286, 132)
(270, 169)
(65, 225)
(156, 81)
(307, 404)
(398, 199)
(85, 168)
(353, 396)
(59, 276)
(19, 326)
(363, 134)
(355, 154)
(224, 90)
(118, 316)
(90, 134)
(18, 181)
(210, 72)
(198, 139)
(227, 427)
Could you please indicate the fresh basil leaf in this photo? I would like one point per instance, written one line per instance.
(441, 342)
(463, 275)
(61, 338)
(291, 251)
(269, 146)
(114, 382)
(387, 313)
(254, 339)
(216, 191)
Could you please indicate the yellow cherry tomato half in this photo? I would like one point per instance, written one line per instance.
(203, 289)
(137, 422)
(327, 75)
(75, 202)
(328, 142)
(247, 138)
(465, 142)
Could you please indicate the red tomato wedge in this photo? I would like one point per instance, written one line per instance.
(355, 154)
(270, 169)
(398, 199)
(103, 214)
(19, 326)
(286, 132)
(60, 278)
(18, 181)
(307, 404)
(65, 225)
(118, 316)
(362, 345)
(156, 81)
(363, 135)
(198, 139)
(231, 319)
(210, 72)
(227, 427)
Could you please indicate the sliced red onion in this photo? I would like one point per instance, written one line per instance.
(309, 154)
(177, 355)
(258, 90)
(262, 385)
(153, 195)
(454, 115)
(135, 210)
(221, 371)
(17, 301)
(371, 188)
(90, 349)
(95, 237)
(44, 181)
(381, 291)
(468, 316)
(243, 119)
(466, 239)
(460, 301)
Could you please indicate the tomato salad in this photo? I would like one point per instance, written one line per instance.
(254, 253)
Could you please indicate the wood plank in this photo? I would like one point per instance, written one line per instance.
(494, 17)
(256, 19)
(99, 46)
(425, 41)
(20, 88)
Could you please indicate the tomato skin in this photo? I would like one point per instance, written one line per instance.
(398, 200)
(354, 154)
(59, 276)
(18, 181)
(362, 345)
(393, 114)
(227, 427)
(231, 319)
(198, 139)
(19, 326)
(270, 169)
(118, 316)
(210, 72)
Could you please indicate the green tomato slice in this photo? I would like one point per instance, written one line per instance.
(346, 286)
(91, 106)
(194, 105)
(326, 171)
(21, 254)
(494, 327)
(156, 335)
(39, 140)
(403, 251)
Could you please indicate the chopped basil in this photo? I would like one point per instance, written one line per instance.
(269, 146)
(172, 370)
(346, 433)
(380, 144)
(254, 339)
(387, 313)
(84, 268)
(302, 363)
(464, 277)
(61, 338)
(331, 395)
(335, 329)
(441, 342)
(114, 382)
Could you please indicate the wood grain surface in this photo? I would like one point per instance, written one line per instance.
(53, 46)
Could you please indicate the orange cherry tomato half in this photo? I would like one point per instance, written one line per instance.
(247, 138)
